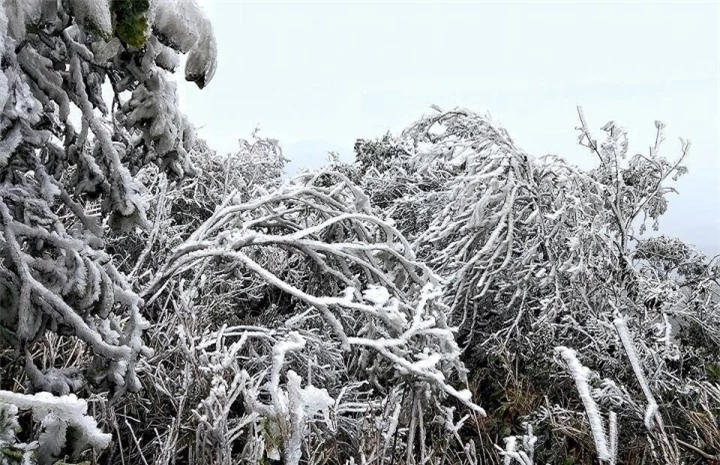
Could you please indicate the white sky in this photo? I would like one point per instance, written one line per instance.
(318, 75)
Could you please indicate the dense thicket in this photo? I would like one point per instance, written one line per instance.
(69, 157)
(539, 254)
(447, 298)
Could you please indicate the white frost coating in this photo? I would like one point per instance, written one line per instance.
(529, 441)
(613, 436)
(293, 414)
(377, 295)
(392, 312)
(290, 409)
(4, 87)
(95, 12)
(167, 58)
(55, 413)
(510, 448)
(175, 19)
(185, 24)
(580, 375)
(427, 362)
(295, 417)
(316, 400)
(3, 29)
(23, 12)
(294, 341)
(106, 51)
(393, 422)
(437, 129)
(525, 456)
(202, 60)
(622, 330)
(651, 412)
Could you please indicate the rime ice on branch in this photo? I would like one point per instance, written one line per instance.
(353, 281)
(61, 178)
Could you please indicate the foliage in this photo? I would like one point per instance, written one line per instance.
(218, 313)
(67, 160)
(66, 428)
(374, 306)
(131, 22)
(540, 254)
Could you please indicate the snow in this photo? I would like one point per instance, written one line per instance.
(513, 453)
(4, 86)
(316, 400)
(427, 362)
(510, 449)
(651, 413)
(613, 437)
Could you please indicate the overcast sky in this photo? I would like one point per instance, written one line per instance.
(318, 75)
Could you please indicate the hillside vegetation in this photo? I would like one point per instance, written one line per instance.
(445, 299)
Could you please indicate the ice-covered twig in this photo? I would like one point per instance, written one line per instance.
(652, 415)
(525, 455)
(56, 415)
(580, 375)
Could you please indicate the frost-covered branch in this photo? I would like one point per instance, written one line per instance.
(347, 273)
(64, 421)
(580, 375)
(55, 58)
